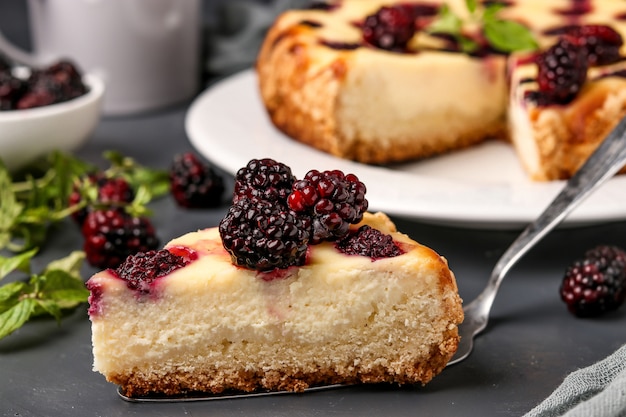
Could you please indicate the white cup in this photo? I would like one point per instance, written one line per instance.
(147, 52)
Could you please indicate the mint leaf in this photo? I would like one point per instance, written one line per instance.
(50, 307)
(18, 262)
(446, 22)
(155, 181)
(504, 35)
(492, 10)
(10, 209)
(70, 264)
(471, 5)
(58, 288)
(10, 294)
(15, 317)
(63, 288)
(509, 36)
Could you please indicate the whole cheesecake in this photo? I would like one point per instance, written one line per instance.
(374, 81)
(205, 314)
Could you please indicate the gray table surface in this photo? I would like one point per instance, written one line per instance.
(532, 342)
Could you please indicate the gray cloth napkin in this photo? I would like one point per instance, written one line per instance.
(596, 391)
(234, 38)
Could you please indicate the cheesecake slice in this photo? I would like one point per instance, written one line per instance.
(553, 138)
(297, 287)
(211, 326)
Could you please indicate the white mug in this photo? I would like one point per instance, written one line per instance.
(147, 52)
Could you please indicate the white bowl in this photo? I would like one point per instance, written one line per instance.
(26, 135)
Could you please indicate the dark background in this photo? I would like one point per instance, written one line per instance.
(532, 342)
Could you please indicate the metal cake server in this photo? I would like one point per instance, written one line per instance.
(605, 162)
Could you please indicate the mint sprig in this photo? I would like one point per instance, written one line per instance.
(57, 289)
(503, 35)
(29, 207)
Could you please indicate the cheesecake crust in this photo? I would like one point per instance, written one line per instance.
(217, 381)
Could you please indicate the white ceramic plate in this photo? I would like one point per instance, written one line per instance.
(482, 187)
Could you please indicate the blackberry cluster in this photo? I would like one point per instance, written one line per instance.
(332, 200)
(141, 269)
(274, 217)
(595, 284)
(56, 83)
(264, 235)
(111, 192)
(366, 241)
(194, 184)
(264, 179)
(562, 70)
(111, 235)
(390, 28)
(602, 43)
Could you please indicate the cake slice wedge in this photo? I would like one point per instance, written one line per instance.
(555, 133)
(211, 326)
(299, 286)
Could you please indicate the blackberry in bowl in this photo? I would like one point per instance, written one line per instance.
(58, 113)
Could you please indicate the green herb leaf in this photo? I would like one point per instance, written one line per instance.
(57, 289)
(504, 35)
(446, 22)
(471, 5)
(70, 264)
(509, 36)
(63, 288)
(10, 209)
(16, 316)
(50, 307)
(18, 262)
(155, 181)
(10, 294)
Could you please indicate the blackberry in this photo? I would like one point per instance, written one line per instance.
(595, 284)
(43, 94)
(366, 241)
(265, 179)
(562, 72)
(194, 184)
(601, 42)
(57, 83)
(332, 200)
(264, 235)
(112, 235)
(111, 192)
(390, 28)
(11, 90)
(141, 269)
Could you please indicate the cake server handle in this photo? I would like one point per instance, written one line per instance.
(603, 164)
